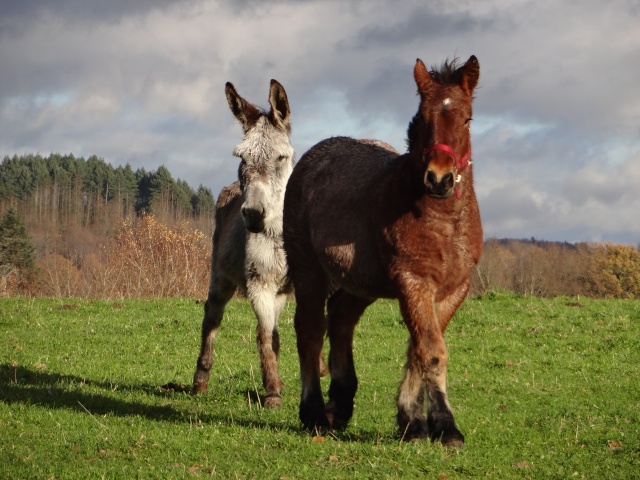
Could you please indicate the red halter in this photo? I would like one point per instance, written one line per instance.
(460, 164)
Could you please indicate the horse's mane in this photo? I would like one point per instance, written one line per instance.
(447, 74)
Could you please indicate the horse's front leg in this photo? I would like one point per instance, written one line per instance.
(267, 305)
(426, 368)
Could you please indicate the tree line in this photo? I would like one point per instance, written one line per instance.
(65, 190)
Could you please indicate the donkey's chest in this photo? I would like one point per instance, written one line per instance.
(265, 260)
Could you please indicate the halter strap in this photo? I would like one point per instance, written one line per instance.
(460, 164)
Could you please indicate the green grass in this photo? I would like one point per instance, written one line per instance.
(540, 388)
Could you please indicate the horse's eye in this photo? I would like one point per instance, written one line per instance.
(282, 158)
(468, 121)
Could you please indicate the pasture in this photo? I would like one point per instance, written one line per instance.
(97, 389)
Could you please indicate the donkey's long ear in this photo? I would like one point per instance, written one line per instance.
(469, 74)
(422, 77)
(244, 111)
(280, 112)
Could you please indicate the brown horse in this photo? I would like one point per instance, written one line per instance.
(362, 222)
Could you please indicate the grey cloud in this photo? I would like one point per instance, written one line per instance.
(143, 83)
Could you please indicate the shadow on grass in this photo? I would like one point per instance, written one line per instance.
(20, 385)
(34, 387)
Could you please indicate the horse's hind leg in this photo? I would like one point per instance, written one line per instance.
(343, 312)
(268, 307)
(310, 325)
(220, 292)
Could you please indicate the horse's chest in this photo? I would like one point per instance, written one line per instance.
(444, 251)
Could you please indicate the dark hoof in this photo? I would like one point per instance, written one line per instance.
(336, 422)
(448, 438)
(273, 401)
(416, 429)
(453, 441)
(314, 419)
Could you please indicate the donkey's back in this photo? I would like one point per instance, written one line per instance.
(228, 260)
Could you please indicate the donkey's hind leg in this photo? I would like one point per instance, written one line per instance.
(343, 312)
(268, 307)
(220, 292)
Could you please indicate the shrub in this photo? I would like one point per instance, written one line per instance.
(148, 259)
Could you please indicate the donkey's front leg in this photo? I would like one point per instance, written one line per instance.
(426, 359)
(267, 306)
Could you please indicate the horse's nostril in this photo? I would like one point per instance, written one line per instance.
(438, 186)
(431, 178)
(447, 180)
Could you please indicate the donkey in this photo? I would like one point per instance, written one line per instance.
(247, 242)
(362, 222)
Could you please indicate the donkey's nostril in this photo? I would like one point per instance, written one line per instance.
(253, 219)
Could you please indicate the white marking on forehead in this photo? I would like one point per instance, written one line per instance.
(446, 102)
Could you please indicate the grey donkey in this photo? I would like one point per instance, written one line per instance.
(248, 252)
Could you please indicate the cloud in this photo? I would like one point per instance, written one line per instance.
(556, 133)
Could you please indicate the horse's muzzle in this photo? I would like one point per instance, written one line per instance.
(439, 186)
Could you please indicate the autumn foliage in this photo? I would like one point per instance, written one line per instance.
(550, 269)
(615, 272)
(146, 259)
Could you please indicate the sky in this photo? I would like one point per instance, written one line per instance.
(556, 130)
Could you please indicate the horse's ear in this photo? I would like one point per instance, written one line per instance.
(279, 102)
(421, 76)
(470, 72)
(244, 111)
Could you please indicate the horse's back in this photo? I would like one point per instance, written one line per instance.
(339, 166)
(332, 206)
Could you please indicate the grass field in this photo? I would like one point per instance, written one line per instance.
(540, 388)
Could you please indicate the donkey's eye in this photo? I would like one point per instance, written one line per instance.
(282, 158)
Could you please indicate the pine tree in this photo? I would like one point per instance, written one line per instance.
(17, 255)
(16, 248)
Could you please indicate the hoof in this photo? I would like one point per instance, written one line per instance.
(453, 442)
(416, 429)
(335, 422)
(314, 421)
(198, 388)
(273, 401)
(449, 438)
